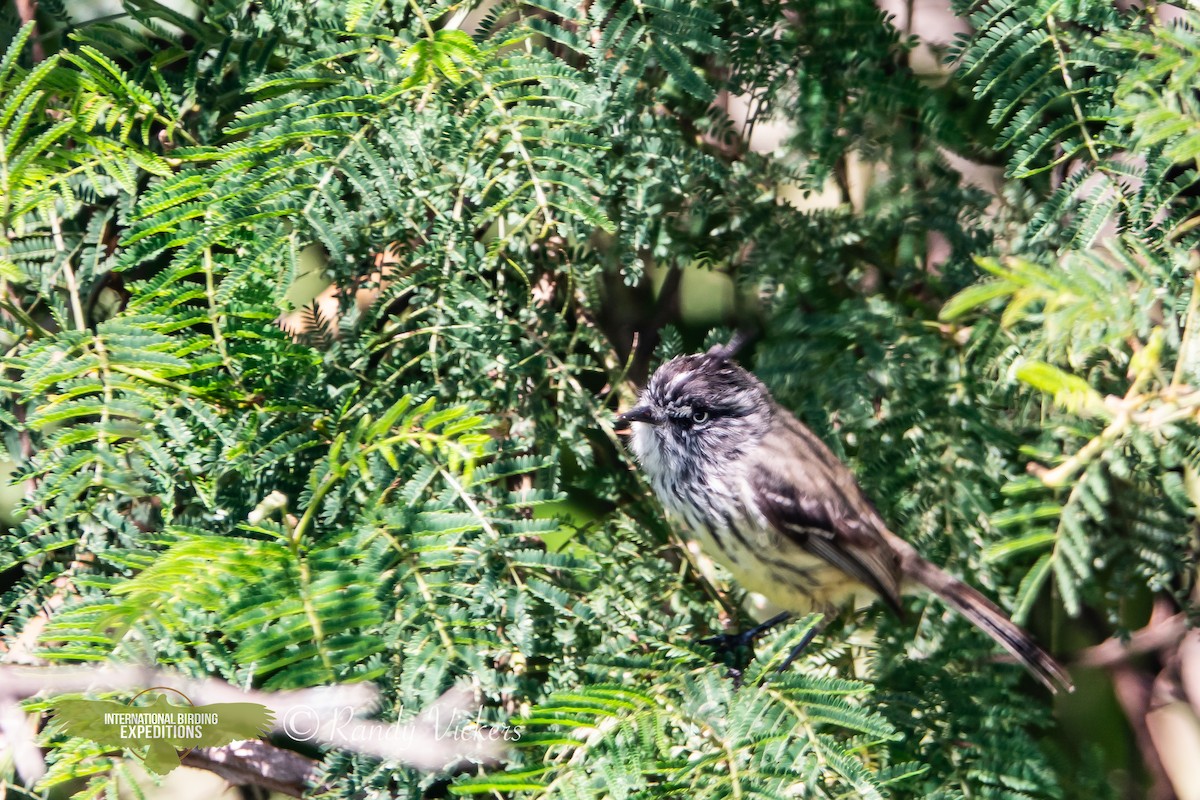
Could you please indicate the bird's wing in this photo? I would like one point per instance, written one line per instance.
(85, 718)
(813, 499)
(235, 721)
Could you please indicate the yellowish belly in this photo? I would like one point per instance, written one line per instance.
(784, 573)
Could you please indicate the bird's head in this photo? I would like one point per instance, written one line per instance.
(697, 410)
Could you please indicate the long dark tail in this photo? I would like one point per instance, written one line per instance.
(983, 614)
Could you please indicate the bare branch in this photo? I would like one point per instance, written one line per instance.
(257, 763)
(27, 11)
(1133, 689)
(1159, 634)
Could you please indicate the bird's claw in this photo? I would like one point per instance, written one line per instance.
(736, 650)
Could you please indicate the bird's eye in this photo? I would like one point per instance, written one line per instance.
(699, 416)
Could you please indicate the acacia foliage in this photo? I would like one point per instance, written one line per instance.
(428, 489)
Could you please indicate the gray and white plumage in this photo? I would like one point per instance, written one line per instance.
(768, 500)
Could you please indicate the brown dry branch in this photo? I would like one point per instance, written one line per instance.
(255, 763)
(1157, 635)
(1133, 689)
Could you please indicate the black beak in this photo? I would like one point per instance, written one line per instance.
(638, 414)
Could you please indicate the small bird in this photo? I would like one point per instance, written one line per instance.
(768, 500)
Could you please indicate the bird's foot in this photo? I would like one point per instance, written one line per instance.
(799, 648)
(736, 650)
(724, 642)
